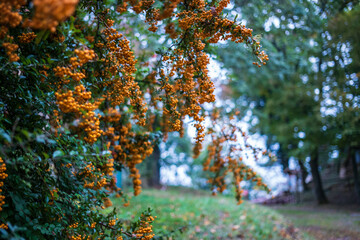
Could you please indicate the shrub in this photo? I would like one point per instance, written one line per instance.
(76, 104)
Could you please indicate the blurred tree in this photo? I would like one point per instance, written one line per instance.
(343, 72)
(308, 95)
(282, 98)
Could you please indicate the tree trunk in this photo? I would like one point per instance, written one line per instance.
(284, 160)
(356, 174)
(304, 175)
(318, 187)
(153, 162)
(153, 176)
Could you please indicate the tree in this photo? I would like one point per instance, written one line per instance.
(280, 100)
(306, 99)
(343, 72)
(76, 105)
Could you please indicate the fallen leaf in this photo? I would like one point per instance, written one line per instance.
(235, 227)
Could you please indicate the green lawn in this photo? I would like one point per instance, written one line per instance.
(185, 214)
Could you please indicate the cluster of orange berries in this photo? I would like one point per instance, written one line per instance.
(89, 184)
(10, 51)
(119, 67)
(49, 13)
(77, 237)
(3, 175)
(67, 102)
(90, 38)
(221, 162)
(263, 57)
(112, 115)
(44, 73)
(78, 102)
(109, 167)
(145, 230)
(77, 76)
(27, 37)
(3, 31)
(153, 14)
(55, 122)
(192, 88)
(91, 125)
(130, 153)
(74, 225)
(107, 203)
(197, 4)
(170, 30)
(102, 182)
(93, 180)
(9, 15)
(212, 28)
(121, 8)
(112, 222)
(58, 37)
(64, 73)
(53, 195)
(84, 56)
(92, 226)
(3, 226)
(221, 6)
(137, 155)
(120, 59)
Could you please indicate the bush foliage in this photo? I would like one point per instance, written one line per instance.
(79, 95)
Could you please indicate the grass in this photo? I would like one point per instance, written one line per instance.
(185, 214)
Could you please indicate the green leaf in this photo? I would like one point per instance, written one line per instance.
(58, 153)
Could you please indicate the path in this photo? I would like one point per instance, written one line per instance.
(327, 222)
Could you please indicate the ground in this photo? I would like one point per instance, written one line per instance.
(187, 214)
(328, 222)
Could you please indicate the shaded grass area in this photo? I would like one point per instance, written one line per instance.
(184, 214)
(328, 222)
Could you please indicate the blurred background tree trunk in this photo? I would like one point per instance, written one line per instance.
(153, 168)
(304, 173)
(356, 174)
(318, 186)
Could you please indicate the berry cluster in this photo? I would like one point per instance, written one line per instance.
(3, 175)
(225, 156)
(27, 37)
(49, 13)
